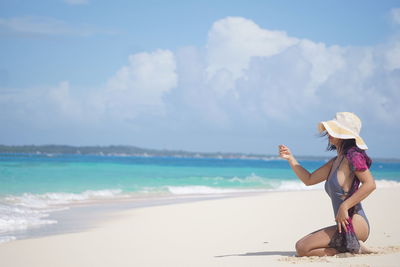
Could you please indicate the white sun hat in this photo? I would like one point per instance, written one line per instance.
(345, 125)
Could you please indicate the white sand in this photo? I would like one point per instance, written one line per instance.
(245, 231)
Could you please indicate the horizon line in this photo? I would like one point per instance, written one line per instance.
(180, 151)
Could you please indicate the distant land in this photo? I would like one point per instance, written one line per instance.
(125, 150)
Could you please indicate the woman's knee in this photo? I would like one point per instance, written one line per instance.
(301, 248)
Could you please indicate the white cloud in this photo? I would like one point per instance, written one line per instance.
(140, 86)
(392, 56)
(41, 106)
(233, 41)
(135, 89)
(66, 104)
(395, 15)
(148, 74)
(246, 80)
(239, 82)
(324, 61)
(46, 26)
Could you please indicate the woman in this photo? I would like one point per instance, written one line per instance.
(342, 175)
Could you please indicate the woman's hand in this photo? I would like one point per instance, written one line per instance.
(285, 153)
(342, 218)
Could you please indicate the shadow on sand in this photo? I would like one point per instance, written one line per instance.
(262, 253)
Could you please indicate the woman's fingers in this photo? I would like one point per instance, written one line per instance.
(284, 152)
(344, 226)
(284, 149)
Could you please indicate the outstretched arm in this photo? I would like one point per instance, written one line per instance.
(305, 176)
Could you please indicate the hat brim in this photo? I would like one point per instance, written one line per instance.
(336, 130)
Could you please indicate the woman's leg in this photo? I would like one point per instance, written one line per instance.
(316, 243)
(361, 227)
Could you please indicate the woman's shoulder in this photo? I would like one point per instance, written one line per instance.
(331, 160)
(358, 159)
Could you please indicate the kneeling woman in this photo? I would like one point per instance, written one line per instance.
(342, 176)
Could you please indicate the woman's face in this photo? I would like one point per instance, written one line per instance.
(334, 141)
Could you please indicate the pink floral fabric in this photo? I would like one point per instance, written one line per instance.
(358, 159)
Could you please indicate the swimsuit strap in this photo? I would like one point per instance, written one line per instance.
(340, 162)
(337, 167)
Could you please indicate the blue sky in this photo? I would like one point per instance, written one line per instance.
(232, 76)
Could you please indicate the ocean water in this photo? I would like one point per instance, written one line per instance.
(34, 186)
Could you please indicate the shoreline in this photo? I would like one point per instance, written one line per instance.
(74, 217)
(84, 216)
(257, 230)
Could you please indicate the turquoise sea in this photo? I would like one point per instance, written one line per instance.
(33, 186)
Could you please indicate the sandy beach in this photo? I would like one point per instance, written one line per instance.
(258, 230)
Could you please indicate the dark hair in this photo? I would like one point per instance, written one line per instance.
(345, 145)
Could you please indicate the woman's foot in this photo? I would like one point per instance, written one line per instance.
(366, 250)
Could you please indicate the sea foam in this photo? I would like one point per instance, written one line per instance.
(206, 190)
(386, 183)
(22, 212)
(41, 201)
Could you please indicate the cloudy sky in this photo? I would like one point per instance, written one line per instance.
(230, 76)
